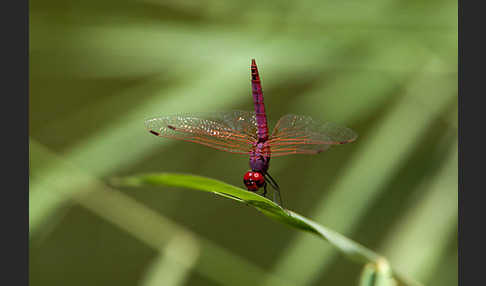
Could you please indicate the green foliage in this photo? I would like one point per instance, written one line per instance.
(264, 205)
(380, 275)
(388, 70)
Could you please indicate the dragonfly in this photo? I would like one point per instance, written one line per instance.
(247, 133)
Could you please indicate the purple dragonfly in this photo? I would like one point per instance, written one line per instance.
(245, 132)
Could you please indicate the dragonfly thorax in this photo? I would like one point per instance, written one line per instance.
(259, 159)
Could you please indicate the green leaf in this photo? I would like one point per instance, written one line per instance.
(381, 273)
(350, 248)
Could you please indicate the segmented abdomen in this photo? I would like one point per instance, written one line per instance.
(256, 89)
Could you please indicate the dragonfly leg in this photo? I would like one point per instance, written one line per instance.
(279, 197)
(276, 189)
(265, 190)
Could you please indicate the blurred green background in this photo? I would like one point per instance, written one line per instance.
(98, 69)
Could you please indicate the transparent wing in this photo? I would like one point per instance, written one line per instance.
(233, 131)
(297, 134)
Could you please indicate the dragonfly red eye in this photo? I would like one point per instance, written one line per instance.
(253, 180)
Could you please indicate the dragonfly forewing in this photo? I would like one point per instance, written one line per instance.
(234, 131)
(298, 134)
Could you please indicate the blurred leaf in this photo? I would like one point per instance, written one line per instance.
(97, 69)
(418, 240)
(376, 274)
(348, 247)
(173, 266)
(43, 204)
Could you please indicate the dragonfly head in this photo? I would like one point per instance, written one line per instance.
(253, 180)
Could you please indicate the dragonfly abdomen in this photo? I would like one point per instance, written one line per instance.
(256, 89)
